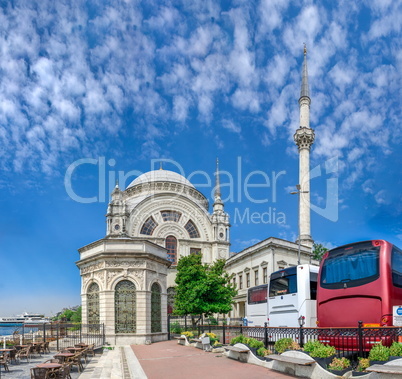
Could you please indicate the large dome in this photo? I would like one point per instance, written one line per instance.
(160, 176)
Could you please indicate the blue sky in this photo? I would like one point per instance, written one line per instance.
(129, 82)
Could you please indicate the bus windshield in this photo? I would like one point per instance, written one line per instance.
(350, 266)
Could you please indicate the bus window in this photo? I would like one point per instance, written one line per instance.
(396, 264)
(257, 295)
(313, 285)
(283, 285)
(350, 268)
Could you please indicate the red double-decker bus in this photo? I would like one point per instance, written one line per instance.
(359, 282)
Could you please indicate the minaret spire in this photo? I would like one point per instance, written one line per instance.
(304, 87)
(217, 194)
(304, 138)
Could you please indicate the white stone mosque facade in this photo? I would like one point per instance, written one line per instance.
(128, 276)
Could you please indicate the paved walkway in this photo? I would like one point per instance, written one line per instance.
(169, 360)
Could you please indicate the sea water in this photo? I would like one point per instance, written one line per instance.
(9, 329)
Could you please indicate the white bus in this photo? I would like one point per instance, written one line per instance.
(257, 306)
(293, 294)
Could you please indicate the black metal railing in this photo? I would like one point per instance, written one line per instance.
(59, 335)
(349, 342)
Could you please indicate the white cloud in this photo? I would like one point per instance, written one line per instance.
(231, 126)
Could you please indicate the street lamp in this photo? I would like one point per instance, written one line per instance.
(298, 192)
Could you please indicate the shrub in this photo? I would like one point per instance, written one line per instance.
(311, 345)
(363, 364)
(379, 352)
(396, 349)
(239, 339)
(339, 364)
(176, 328)
(212, 320)
(283, 344)
(323, 351)
(262, 352)
(255, 344)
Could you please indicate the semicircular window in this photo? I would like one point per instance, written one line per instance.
(149, 226)
(171, 216)
(192, 229)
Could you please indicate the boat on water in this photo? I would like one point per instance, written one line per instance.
(25, 318)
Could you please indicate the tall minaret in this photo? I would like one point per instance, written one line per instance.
(304, 138)
(220, 222)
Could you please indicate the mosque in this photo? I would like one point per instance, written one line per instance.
(128, 276)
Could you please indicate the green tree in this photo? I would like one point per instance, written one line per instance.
(70, 315)
(76, 317)
(318, 251)
(201, 288)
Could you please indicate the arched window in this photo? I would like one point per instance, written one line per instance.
(171, 293)
(156, 313)
(125, 309)
(149, 226)
(192, 229)
(171, 246)
(93, 304)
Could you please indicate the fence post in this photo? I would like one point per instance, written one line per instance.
(23, 334)
(57, 337)
(301, 336)
(360, 335)
(81, 333)
(241, 327)
(185, 322)
(266, 335)
(168, 326)
(44, 332)
(223, 334)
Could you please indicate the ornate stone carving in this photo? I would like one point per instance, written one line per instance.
(100, 275)
(111, 274)
(85, 279)
(130, 263)
(92, 267)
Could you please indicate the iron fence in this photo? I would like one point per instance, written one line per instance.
(348, 342)
(59, 335)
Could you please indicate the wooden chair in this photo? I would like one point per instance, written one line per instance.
(12, 355)
(38, 373)
(65, 371)
(90, 349)
(24, 353)
(75, 360)
(46, 347)
(4, 362)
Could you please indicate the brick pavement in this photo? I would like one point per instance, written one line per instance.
(165, 360)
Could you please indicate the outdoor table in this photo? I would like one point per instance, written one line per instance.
(49, 365)
(6, 350)
(63, 356)
(82, 344)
